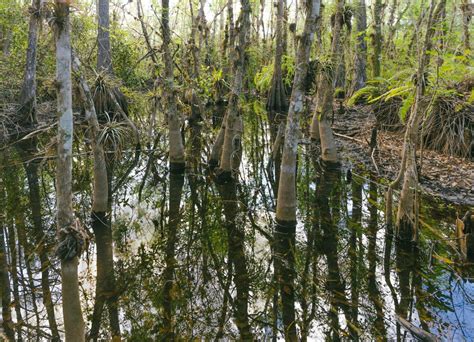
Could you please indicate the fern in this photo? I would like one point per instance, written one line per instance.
(395, 92)
(363, 95)
(263, 79)
(406, 105)
(470, 100)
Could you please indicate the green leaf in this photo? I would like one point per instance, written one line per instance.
(406, 105)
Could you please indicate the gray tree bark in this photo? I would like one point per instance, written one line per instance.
(28, 90)
(360, 63)
(286, 204)
(72, 313)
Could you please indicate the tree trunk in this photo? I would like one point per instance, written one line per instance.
(377, 38)
(106, 292)
(100, 217)
(72, 313)
(379, 329)
(360, 63)
(466, 20)
(28, 90)
(325, 95)
(286, 204)
(14, 272)
(175, 140)
(27, 150)
(231, 147)
(170, 286)
(236, 247)
(104, 56)
(7, 322)
(277, 103)
(407, 216)
(390, 44)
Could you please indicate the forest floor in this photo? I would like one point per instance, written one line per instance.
(447, 177)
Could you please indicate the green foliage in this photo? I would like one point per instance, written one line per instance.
(127, 53)
(470, 99)
(363, 95)
(288, 68)
(263, 78)
(394, 92)
(406, 105)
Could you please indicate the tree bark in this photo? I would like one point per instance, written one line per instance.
(360, 63)
(175, 140)
(106, 292)
(466, 19)
(104, 56)
(170, 286)
(286, 204)
(277, 103)
(72, 313)
(231, 147)
(390, 44)
(28, 90)
(377, 38)
(7, 322)
(325, 95)
(407, 216)
(286, 208)
(27, 150)
(100, 217)
(236, 247)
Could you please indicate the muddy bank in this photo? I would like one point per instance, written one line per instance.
(447, 177)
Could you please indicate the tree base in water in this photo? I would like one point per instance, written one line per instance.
(177, 168)
(223, 177)
(213, 164)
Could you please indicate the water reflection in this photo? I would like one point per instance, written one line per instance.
(198, 259)
(339, 274)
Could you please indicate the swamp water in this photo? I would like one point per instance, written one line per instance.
(191, 254)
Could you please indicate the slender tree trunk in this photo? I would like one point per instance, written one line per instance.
(7, 322)
(356, 227)
(106, 292)
(286, 204)
(27, 150)
(390, 44)
(377, 38)
(72, 313)
(360, 63)
(104, 56)
(466, 20)
(231, 147)
(14, 262)
(175, 140)
(277, 103)
(169, 289)
(28, 91)
(100, 216)
(236, 246)
(325, 95)
(407, 217)
(379, 329)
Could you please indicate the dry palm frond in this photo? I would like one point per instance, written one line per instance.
(449, 127)
(387, 114)
(105, 87)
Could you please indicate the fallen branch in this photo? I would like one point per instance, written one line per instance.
(349, 138)
(417, 332)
